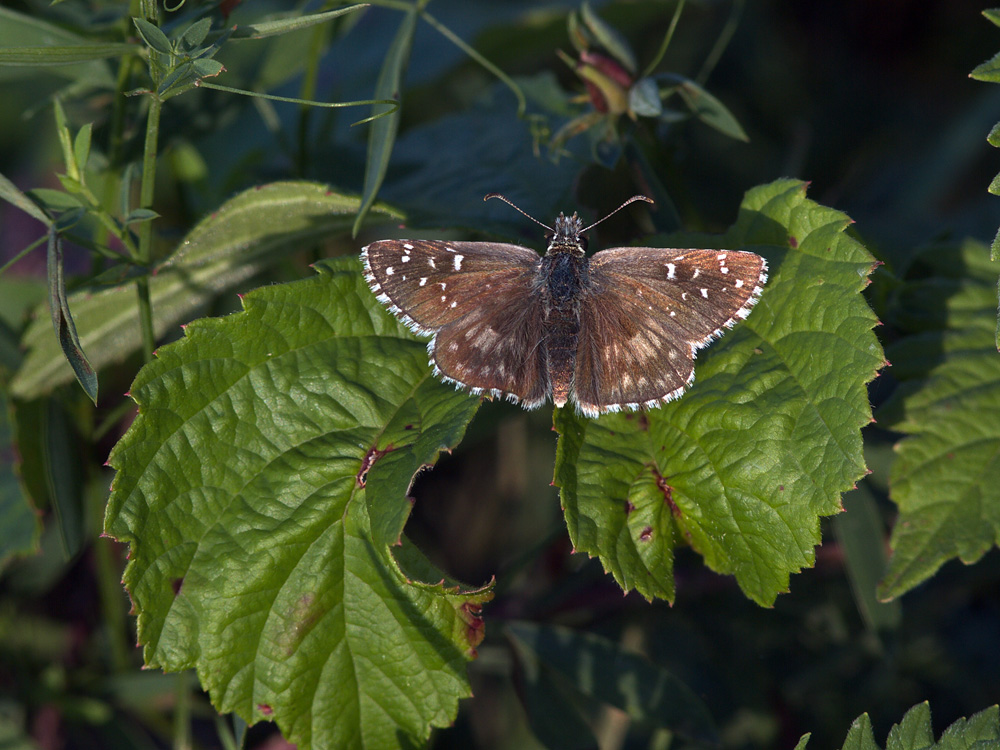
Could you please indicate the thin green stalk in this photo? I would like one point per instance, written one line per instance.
(655, 63)
(448, 34)
(308, 91)
(146, 228)
(722, 42)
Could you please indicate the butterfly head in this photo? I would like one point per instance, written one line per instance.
(567, 236)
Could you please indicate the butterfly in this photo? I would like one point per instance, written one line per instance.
(616, 330)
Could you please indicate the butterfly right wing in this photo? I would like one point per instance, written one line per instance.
(479, 302)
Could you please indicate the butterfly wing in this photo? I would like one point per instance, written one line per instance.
(478, 301)
(645, 315)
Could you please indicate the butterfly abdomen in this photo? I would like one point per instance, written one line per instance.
(566, 275)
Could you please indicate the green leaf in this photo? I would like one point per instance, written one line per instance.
(244, 235)
(987, 71)
(240, 488)
(744, 464)
(62, 55)
(860, 736)
(602, 669)
(62, 320)
(263, 29)
(383, 130)
(994, 137)
(81, 147)
(803, 741)
(152, 36)
(706, 107)
(10, 193)
(30, 41)
(608, 38)
(207, 68)
(56, 200)
(993, 14)
(140, 214)
(195, 34)
(949, 408)
(914, 731)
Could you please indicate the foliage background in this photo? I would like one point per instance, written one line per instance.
(870, 102)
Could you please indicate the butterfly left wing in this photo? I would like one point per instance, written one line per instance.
(478, 300)
(647, 312)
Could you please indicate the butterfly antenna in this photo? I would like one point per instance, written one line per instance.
(631, 200)
(508, 202)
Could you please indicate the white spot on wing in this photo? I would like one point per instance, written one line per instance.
(696, 274)
(407, 246)
(739, 283)
(704, 293)
(670, 271)
(431, 262)
(405, 258)
(458, 262)
(389, 271)
(423, 280)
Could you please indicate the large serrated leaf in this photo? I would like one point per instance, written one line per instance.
(744, 464)
(243, 236)
(241, 488)
(949, 406)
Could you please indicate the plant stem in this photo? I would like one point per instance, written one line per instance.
(146, 229)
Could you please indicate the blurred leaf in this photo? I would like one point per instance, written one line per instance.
(744, 464)
(240, 488)
(81, 147)
(62, 459)
(993, 14)
(10, 193)
(861, 534)
(140, 214)
(55, 200)
(602, 669)
(247, 233)
(383, 130)
(706, 107)
(547, 699)
(262, 29)
(949, 408)
(30, 41)
(644, 98)
(62, 320)
(608, 38)
(19, 519)
(62, 55)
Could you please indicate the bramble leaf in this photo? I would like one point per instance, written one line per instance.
(949, 408)
(744, 464)
(245, 488)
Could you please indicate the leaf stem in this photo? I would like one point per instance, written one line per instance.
(655, 62)
(721, 43)
(146, 193)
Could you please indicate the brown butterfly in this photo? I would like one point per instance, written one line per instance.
(616, 330)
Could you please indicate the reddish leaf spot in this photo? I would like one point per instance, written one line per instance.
(408, 427)
(265, 709)
(781, 488)
(646, 535)
(629, 507)
(176, 584)
(792, 241)
(475, 628)
(668, 492)
(373, 455)
(643, 422)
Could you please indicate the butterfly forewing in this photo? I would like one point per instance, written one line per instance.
(647, 313)
(429, 283)
(480, 302)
